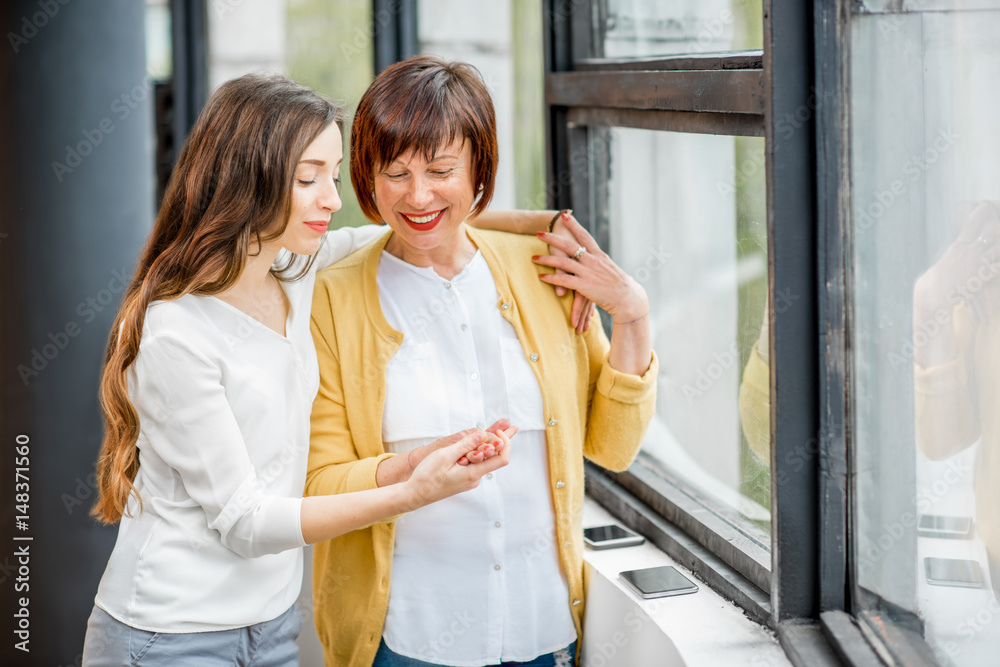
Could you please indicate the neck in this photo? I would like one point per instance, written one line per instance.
(254, 278)
(447, 259)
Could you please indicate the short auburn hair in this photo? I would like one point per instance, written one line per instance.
(423, 104)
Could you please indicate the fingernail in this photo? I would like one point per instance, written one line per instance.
(535, 257)
(539, 234)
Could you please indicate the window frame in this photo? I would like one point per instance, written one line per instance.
(800, 80)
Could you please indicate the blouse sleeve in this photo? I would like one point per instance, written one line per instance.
(186, 420)
(342, 242)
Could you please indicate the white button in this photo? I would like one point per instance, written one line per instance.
(496, 523)
(560, 485)
(576, 602)
(392, 338)
(464, 327)
(534, 357)
(497, 567)
(552, 422)
(474, 376)
(489, 475)
(504, 306)
(447, 285)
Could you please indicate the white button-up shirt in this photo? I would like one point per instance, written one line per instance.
(223, 404)
(475, 577)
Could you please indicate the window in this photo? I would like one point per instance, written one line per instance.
(656, 126)
(862, 259)
(925, 185)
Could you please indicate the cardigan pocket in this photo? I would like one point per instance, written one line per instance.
(416, 403)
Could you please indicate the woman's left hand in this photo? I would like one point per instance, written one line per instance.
(592, 274)
(583, 308)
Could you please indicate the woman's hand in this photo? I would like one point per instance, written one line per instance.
(440, 475)
(965, 273)
(583, 308)
(488, 448)
(397, 469)
(967, 265)
(592, 274)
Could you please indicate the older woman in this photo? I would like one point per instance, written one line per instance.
(438, 327)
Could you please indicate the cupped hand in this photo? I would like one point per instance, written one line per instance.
(592, 274)
(583, 308)
(440, 475)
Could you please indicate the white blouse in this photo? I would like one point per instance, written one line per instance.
(475, 577)
(223, 404)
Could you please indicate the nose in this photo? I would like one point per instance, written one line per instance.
(329, 198)
(420, 195)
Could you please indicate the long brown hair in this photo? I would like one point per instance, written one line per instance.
(229, 193)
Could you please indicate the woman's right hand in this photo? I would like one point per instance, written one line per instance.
(440, 474)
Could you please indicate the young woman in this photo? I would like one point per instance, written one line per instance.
(208, 383)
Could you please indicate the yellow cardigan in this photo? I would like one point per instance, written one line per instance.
(591, 410)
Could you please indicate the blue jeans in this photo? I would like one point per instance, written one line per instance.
(562, 658)
(111, 643)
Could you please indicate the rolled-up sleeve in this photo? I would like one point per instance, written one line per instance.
(187, 422)
(621, 406)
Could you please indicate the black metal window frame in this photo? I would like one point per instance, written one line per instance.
(793, 93)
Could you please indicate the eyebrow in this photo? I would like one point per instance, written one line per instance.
(433, 159)
(319, 163)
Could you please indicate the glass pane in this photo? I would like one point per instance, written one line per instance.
(925, 181)
(645, 28)
(159, 44)
(687, 219)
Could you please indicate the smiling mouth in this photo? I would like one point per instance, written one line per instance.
(422, 219)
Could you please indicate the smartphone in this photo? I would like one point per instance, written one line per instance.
(948, 527)
(610, 537)
(954, 572)
(658, 582)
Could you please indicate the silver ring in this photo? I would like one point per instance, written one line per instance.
(579, 252)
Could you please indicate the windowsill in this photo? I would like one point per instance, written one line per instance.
(702, 628)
